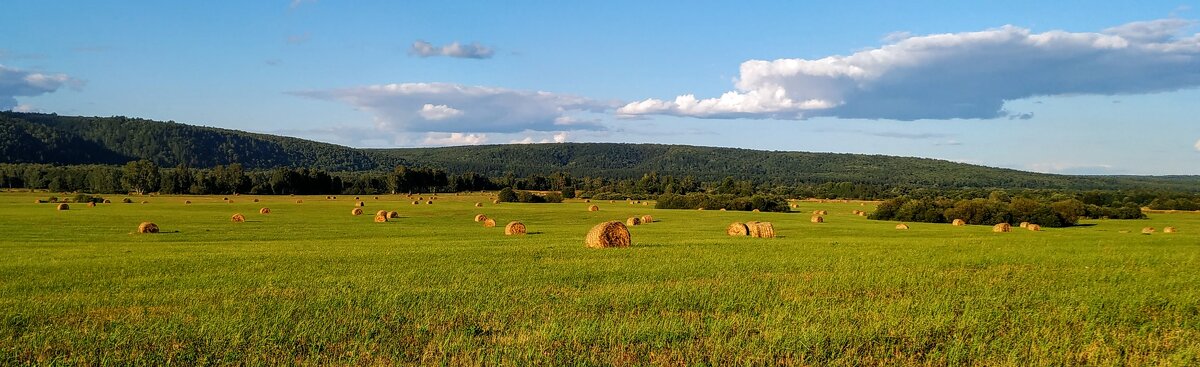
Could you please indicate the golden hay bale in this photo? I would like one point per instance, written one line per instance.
(360, 204)
(225, 198)
(382, 212)
(608, 234)
(264, 211)
(145, 202)
(478, 205)
(587, 200)
(356, 198)
(593, 208)
(761, 229)
(514, 228)
(391, 215)
(862, 214)
(376, 198)
(63, 206)
(495, 201)
(147, 227)
(722, 209)
(1168, 229)
(185, 202)
(756, 210)
(794, 206)
(737, 229)
(356, 211)
(127, 201)
(231, 201)
(633, 221)
(238, 218)
(1148, 230)
(106, 201)
(299, 201)
(91, 204)
(645, 203)
(1033, 227)
(816, 219)
(416, 203)
(958, 222)
(1002, 227)
(480, 217)
(429, 202)
(256, 200)
(700, 208)
(420, 198)
(1024, 224)
(647, 219)
(380, 218)
(901, 226)
(489, 223)
(38, 201)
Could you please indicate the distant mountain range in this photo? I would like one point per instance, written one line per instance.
(54, 139)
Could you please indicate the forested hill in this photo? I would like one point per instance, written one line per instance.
(48, 138)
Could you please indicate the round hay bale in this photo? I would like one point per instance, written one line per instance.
(1024, 224)
(761, 229)
(238, 218)
(587, 200)
(382, 212)
(1033, 227)
(737, 229)
(376, 198)
(225, 198)
(63, 206)
(256, 200)
(420, 198)
(514, 228)
(478, 205)
(817, 219)
(1148, 230)
(722, 209)
(333, 197)
(593, 208)
(700, 208)
(862, 214)
(495, 201)
(1168, 229)
(356, 211)
(391, 215)
(185, 202)
(633, 221)
(360, 204)
(356, 198)
(299, 201)
(231, 201)
(381, 218)
(429, 202)
(645, 203)
(91, 204)
(127, 201)
(958, 222)
(489, 223)
(106, 201)
(416, 203)
(145, 202)
(264, 211)
(646, 219)
(480, 217)
(756, 210)
(901, 226)
(608, 234)
(1002, 227)
(147, 227)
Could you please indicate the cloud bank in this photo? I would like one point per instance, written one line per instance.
(20, 83)
(454, 108)
(455, 49)
(959, 75)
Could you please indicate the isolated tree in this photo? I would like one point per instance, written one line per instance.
(141, 177)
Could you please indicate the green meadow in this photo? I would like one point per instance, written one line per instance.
(311, 284)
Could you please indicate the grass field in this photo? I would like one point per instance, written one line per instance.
(311, 284)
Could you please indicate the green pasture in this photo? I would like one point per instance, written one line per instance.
(311, 284)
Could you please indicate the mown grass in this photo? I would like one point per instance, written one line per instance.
(311, 284)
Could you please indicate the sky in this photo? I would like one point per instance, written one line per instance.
(1071, 87)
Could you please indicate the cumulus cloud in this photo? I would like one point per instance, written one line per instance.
(559, 137)
(454, 49)
(454, 139)
(21, 83)
(1197, 145)
(448, 108)
(958, 75)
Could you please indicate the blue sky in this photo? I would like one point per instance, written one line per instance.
(1063, 87)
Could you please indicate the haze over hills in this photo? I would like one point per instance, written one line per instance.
(63, 140)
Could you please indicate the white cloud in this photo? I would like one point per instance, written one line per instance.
(439, 112)
(445, 107)
(454, 49)
(1074, 169)
(959, 75)
(560, 137)
(1198, 145)
(20, 83)
(454, 139)
(25, 108)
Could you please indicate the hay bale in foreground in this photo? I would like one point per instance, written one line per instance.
(608, 234)
(264, 211)
(356, 211)
(238, 218)
(737, 229)
(63, 206)
(381, 212)
(647, 219)
(381, 218)
(816, 219)
(514, 228)
(761, 229)
(147, 227)
(1033, 227)
(633, 221)
(901, 226)
(1002, 227)
(391, 215)
(1168, 229)
(480, 217)
(593, 208)
(489, 222)
(958, 222)
(1148, 230)
(1024, 224)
